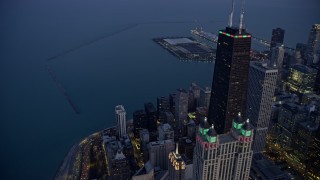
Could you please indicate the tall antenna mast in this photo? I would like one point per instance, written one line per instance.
(241, 16)
(231, 14)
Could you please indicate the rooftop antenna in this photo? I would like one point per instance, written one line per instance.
(231, 14)
(177, 152)
(241, 16)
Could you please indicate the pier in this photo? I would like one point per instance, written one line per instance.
(63, 90)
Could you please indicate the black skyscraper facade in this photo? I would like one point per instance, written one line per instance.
(139, 122)
(230, 78)
(277, 37)
(151, 113)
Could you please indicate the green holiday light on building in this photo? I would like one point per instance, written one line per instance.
(234, 36)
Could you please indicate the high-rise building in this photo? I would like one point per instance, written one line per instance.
(301, 79)
(181, 109)
(195, 91)
(169, 118)
(139, 122)
(205, 97)
(276, 60)
(262, 84)
(165, 132)
(172, 102)
(277, 37)
(290, 115)
(159, 152)
(303, 138)
(313, 49)
(186, 147)
(151, 113)
(313, 167)
(163, 104)
(302, 49)
(201, 113)
(264, 169)
(176, 166)
(121, 120)
(317, 83)
(120, 168)
(230, 79)
(223, 156)
(144, 173)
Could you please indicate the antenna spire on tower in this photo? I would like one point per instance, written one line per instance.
(241, 16)
(231, 14)
(177, 151)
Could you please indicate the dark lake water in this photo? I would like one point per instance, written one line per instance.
(37, 124)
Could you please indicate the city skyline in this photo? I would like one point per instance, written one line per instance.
(64, 73)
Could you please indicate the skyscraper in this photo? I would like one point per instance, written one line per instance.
(301, 79)
(277, 55)
(262, 83)
(205, 97)
(223, 156)
(276, 60)
(159, 152)
(177, 166)
(163, 104)
(181, 109)
(230, 79)
(195, 92)
(277, 37)
(139, 122)
(151, 113)
(121, 120)
(313, 49)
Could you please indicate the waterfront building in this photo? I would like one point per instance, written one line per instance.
(230, 79)
(277, 37)
(151, 113)
(159, 152)
(223, 156)
(313, 45)
(301, 79)
(121, 120)
(177, 166)
(166, 132)
(262, 84)
(139, 122)
(205, 94)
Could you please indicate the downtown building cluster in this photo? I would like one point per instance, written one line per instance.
(259, 120)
